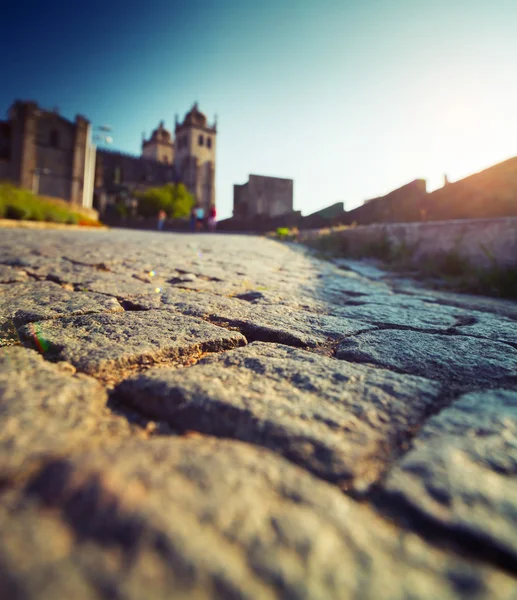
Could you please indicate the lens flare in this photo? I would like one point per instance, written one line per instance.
(39, 341)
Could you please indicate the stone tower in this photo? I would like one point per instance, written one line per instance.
(195, 155)
(159, 146)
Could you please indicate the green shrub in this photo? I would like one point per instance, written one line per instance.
(172, 198)
(17, 211)
(282, 232)
(16, 203)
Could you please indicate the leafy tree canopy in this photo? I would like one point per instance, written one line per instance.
(173, 198)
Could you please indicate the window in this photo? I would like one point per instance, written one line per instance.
(117, 175)
(54, 138)
(200, 140)
(5, 144)
(208, 142)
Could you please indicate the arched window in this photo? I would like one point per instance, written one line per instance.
(54, 138)
(200, 140)
(208, 142)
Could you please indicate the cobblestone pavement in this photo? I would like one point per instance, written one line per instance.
(195, 416)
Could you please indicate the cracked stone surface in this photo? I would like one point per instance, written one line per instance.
(461, 472)
(454, 359)
(418, 317)
(207, 518)
(10, 275)
(339, 421)
(491, 327)
(27, 302)
(48, 409)
(224, 416)
(108, 344)
(265, 322)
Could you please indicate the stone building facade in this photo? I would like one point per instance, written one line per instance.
(159, 146)
(42, 151)
(263, 197)
(118, 176)
(195, 149)
(189, 159)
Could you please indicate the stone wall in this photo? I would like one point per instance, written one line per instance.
(403, 204)
(484, 243)
(489, 193)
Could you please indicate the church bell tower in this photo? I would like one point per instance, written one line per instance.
(195, 155)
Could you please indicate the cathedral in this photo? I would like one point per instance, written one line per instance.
(192, 153)
(45, 152)
(188, 157)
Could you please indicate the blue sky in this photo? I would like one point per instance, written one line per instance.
(350, 98)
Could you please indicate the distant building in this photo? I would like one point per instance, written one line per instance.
(42, 151)
(194, 156)
(189, 159)
(118, 176)
(262, 196)
(159, 146)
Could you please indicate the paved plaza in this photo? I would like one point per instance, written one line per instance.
(230, 417)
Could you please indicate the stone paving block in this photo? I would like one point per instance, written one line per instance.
(91, 508)
(497, 306)
(491, 327)
(458, 359)
(10, 275)
(32, 301)
(462, 471)
(364, 268)
(424, 317)
(338, 420)
(265, 322)
(47, 409)
(212, 519)
(110, 345)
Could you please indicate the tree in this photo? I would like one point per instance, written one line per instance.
(173, 198)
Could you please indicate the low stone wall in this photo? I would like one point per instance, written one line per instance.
(484, 243)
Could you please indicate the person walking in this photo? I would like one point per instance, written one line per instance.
(200, 217)
(161, 219)
(193, 218)
(212, 214)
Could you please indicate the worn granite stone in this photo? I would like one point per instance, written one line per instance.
(365, 268)
(47, 409)
(491, 327)
(458, 359)
(461, 472)
(342, 422)
(36, 300)
(497, 306)
(108, 345)
(10, 275)
(90, 507)
(424, 317)
(205, 518)
(265, 322)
